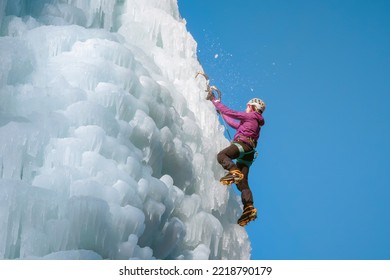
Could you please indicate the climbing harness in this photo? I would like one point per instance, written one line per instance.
(243, 153)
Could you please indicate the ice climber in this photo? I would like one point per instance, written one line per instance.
(248, 125)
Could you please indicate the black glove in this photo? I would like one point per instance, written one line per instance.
(210, 95)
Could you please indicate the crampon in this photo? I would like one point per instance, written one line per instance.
(249, 214)
(234, 176)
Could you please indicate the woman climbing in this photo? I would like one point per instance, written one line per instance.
(248, 125)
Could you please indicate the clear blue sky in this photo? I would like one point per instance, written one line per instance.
(322, 181)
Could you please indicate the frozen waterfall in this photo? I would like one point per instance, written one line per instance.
(107, 144)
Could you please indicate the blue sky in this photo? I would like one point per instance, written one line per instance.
(322, 180)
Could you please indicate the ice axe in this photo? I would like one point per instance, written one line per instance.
(212, 89)
(209, 89)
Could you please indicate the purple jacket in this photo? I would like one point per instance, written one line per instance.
(248, 127)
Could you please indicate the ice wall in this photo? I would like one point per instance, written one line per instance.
(107, 145)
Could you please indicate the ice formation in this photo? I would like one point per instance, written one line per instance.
(107, 144)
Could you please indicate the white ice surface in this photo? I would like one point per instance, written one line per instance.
(107, 144)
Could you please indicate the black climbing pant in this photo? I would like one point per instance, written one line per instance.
(225, 159)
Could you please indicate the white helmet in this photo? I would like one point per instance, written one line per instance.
(258, 103)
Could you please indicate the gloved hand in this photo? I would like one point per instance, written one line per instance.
(210, 95)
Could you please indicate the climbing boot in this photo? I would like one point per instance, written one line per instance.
(249, 214)
(234, 176)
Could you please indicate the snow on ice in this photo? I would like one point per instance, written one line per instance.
(107, 144)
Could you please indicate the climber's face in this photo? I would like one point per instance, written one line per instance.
(248, 108)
